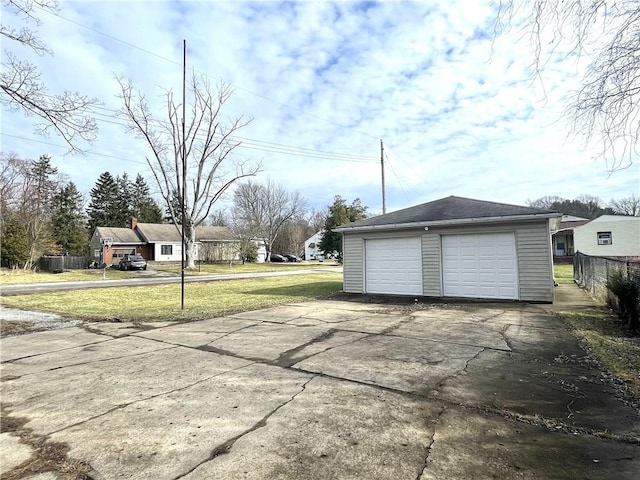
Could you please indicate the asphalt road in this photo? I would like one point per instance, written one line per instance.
(33, 288)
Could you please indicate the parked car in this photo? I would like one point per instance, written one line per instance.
(292, 258)
(277, 258)
(133, 262)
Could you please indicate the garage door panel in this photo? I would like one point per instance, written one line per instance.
(480, 266)
(394, 266)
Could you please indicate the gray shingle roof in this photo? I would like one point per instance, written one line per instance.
(164, 232)
(449, 209)
(159, 232)
(119, 235)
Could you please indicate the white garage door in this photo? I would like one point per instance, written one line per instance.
(480, 266)
(393, 265)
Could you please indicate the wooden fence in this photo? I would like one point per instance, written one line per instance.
(59, 263)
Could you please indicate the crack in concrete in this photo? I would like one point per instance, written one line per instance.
(549, 424)
(89, 362)
(226, 446)
(56, 351)
(286, 358)
(436, 391)
(427, 458)
(124, 405)
(226, 334)
(402, 321)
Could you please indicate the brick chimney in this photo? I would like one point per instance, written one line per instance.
(134, 223)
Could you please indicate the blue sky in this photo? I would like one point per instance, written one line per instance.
(458, 109)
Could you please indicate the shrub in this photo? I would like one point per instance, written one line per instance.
(627, 294)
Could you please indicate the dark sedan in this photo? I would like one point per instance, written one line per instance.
(133, 262)
(277, 258)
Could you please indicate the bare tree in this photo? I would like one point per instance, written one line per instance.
(264, 209)
(546, 203)
(627, 206)
(27, 188)
(605, 108)
(22, 88)
(208, 143)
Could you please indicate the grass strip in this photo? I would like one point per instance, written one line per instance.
(563, 273)
(162, 302)
(610, 341)
(14, 277)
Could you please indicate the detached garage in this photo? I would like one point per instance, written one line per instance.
(453, 247)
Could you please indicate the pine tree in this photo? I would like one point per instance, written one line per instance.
(14, 250)
(68, 219)
(340, 214)
(35, 210)
(143, 206)
(125, 201)
(103, 209)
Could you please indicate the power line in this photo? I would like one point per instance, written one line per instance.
(174, 62)
(65, 147)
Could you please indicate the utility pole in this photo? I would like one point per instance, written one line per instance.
(184, 171)
(384, 200)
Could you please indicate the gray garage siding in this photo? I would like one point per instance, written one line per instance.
(352, 270)
(535, 271)
(532, 247)
(431, 265)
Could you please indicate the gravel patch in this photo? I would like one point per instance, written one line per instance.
(33, 321)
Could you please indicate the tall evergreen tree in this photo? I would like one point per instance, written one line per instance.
(143, 206)
(103, 209)
(339, 214)
(35, 210)
(14, 243)
(125, 201)
(68, 219)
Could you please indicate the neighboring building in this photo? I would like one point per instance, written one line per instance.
(162, 243)
(562, 240)
(453, 247)
(312, 247)
(163, 239)
(119, 242)
(261, 250)
(609, 236)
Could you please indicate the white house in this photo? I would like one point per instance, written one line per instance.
(311, 247)
(609, 236)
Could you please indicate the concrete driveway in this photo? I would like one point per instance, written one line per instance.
(320, 390)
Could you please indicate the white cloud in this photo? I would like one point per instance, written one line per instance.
(459, 111)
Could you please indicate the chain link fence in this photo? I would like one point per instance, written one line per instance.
(593, 273)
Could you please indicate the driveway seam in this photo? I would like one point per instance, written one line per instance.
(124, 405)
(226, 446)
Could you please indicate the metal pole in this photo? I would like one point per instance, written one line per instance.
(184, 171)
(384, 200)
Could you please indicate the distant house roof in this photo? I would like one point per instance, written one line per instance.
(569, 222)
(159, 232)
(450, 210)
(119, 235)
(213, 234)
(165, 232)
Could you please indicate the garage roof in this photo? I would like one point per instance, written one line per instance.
(449, 210)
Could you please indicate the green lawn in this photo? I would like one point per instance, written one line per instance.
(162, 302)
(8, 277)
(563, 273)
(225, 268)
(610, 341)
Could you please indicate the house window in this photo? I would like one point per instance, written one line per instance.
(166, 249)
(604, 238)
